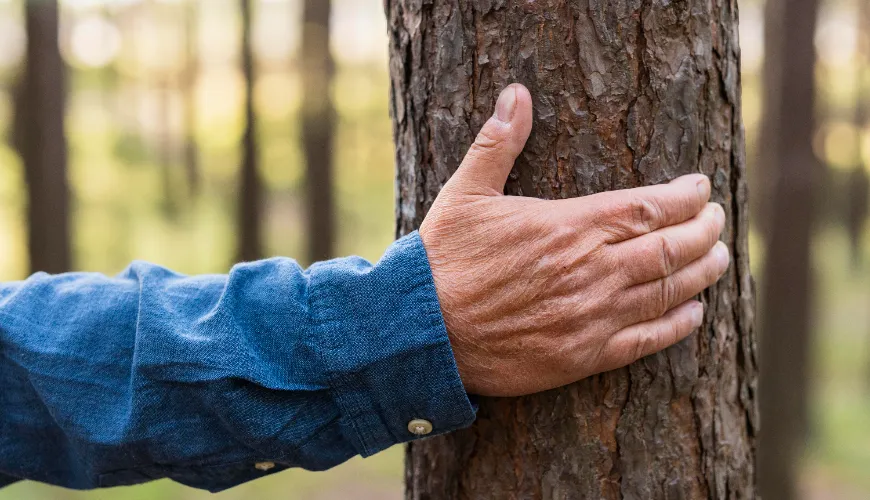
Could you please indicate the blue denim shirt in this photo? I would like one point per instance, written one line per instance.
(210, 380)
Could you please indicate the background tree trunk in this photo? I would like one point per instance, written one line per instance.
(859, 184)
(190, 79)
(318, 128)
(626, 94)
(41, 140)
(786, 296)
(764, 179)
(250, 187)
(166, 147)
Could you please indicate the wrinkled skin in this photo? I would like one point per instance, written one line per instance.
(537, 294)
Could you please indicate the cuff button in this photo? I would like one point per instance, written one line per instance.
(419, 427)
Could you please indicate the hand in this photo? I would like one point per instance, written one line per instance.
(537, 294)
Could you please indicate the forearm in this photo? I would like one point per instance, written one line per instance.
(152, 374)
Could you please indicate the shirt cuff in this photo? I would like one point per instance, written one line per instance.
(386, 348)
(7, 480)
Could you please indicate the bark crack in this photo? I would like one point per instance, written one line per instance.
(642, 83)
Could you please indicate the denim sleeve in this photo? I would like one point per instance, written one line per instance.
(220, 379)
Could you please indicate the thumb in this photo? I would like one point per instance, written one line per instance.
(490, 159)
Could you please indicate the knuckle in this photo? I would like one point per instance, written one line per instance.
(689, 205)
(486, 142)
(638, 348)
(645, 213)
(563, 235)
(645, 344)
(670, 252)
(656, 303)
(670, 289)
(480, 154)
(676, 330)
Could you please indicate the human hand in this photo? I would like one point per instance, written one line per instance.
(537, 294)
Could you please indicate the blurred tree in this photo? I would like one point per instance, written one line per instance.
(318, 128)
(250, 185)
(40, 138)
(859, 184)
(130, 146)
(189, 84)
(166, 148)
(625, 95)
(786, 295)
(164, 137)
(859, 196)
(763, 176)
(111, 77)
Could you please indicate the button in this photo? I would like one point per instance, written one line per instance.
(264, 466)
(419, 427)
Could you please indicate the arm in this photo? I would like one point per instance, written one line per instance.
(209, 380)
(151, 374)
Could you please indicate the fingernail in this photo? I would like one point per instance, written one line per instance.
(507, 102)
(717, 212)
(697, 314)
(722, 256)
(704, 188)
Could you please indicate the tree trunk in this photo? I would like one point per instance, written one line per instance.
(41, 140)
(859, 184)
(626, 94)
(166, 148)
(318, 126)
(763, 177)
(786, 295)
(190, 79)
(250, 187)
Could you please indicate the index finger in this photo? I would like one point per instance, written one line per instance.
(629, 213)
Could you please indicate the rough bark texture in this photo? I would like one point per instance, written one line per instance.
(786, 294)
(250, 186)
(41, 140)
(626, 93)
(318, 128)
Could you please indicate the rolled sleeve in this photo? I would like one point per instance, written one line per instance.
(386, 348)
(220, 379)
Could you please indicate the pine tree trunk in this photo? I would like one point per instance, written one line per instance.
(859, 184)
(190, 80)
(250, 186)
(41, 140)
(318, 129)
(626, 94)
(786, 294)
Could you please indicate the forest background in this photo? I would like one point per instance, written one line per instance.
(156, 122)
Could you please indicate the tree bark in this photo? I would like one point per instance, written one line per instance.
(250, 186)
(41, 140)
(626, 94)
(318, 128)
(786, 295)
